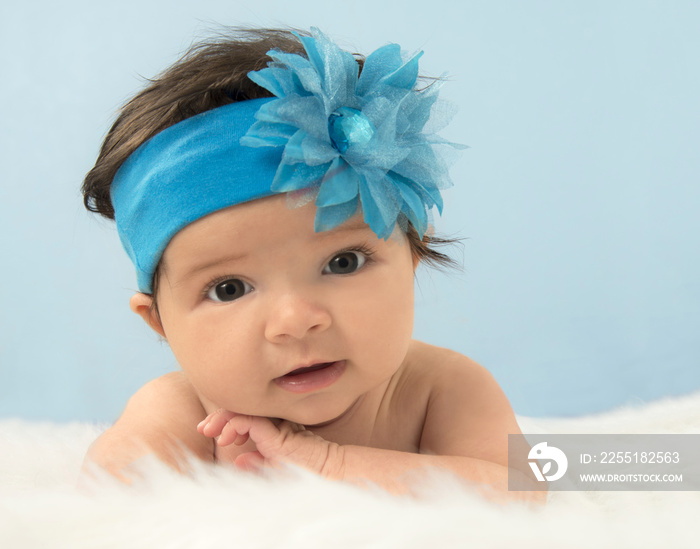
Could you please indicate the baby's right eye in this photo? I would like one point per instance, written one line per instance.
(228, 290)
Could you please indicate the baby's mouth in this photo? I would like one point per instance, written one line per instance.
(306, 369)
(311, 378)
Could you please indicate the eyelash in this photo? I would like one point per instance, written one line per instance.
(362, 249)
(216, 281)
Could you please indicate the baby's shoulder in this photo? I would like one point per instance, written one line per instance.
(429, 371)
(440, 374)
(438, 364)
(465, 406)
(160, 418)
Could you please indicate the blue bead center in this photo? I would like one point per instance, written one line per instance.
(349, 128)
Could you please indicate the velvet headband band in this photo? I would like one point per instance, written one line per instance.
(183, 173)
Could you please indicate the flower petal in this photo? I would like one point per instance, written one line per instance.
(380, 204)
(292, 177)
(305, 148)
(415, 112)
(379, 63)
(339, 185)
(337, 68)
(265, 134)
(329, 217)
(424, 185)
(414, 207)
(305, 113)
(306, 79)
(277, 80)
(406, 75)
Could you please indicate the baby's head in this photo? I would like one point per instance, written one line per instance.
(276, 215)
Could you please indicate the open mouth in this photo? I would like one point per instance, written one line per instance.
(311, 378)
(313, 368)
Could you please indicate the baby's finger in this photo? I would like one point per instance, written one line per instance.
(216, 421)
(241, 427)
(288, 426)
(202, 424)
(267, 437)
(231, 435)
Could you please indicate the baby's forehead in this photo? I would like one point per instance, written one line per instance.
(267, 223)
(277, 215)
(232, 240)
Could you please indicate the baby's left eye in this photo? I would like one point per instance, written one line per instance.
(345, 263)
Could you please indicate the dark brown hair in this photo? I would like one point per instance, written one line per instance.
(211, 74)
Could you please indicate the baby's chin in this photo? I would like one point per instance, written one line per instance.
(322, 413)
(327, 417)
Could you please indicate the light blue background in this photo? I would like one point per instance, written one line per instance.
(579, 196)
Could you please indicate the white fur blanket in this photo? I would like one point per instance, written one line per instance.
(220, 507)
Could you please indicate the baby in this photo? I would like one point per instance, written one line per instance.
(273, 192)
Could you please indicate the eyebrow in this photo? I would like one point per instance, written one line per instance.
(357, 225)
(209, 264)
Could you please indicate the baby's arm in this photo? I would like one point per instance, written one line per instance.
(159, 419)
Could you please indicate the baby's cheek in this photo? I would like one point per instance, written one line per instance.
(388, 320)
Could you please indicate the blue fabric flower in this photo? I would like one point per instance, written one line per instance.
(357, 139)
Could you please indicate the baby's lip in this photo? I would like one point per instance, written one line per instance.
(309, 367)
(311, 377)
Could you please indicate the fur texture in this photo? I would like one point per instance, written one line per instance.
(220, 507)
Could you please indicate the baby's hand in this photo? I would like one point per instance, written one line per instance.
(284, 441)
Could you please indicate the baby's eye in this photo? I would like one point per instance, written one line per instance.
(228, 290)
(345, 263)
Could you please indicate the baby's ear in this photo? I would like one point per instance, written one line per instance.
(142, 305)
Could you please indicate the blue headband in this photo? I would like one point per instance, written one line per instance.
(183, 173)
(355, 140)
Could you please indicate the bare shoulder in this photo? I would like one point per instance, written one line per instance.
(159, 418)
(467, 411)
(439, 368)
(439, 357)
(159, 395)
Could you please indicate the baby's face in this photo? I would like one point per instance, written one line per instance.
(267, 317)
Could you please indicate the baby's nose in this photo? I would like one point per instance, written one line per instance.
(294, 315)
